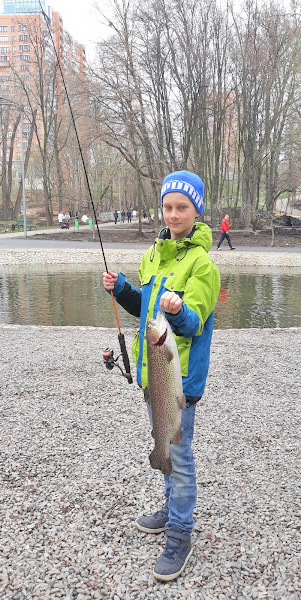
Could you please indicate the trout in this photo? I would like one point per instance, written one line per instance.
(165, 391)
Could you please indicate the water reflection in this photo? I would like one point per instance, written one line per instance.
(75, 296)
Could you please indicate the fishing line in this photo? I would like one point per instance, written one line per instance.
(121, 339)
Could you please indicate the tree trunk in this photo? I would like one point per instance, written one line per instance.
(26, 161)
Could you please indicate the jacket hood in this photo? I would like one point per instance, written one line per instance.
(201, 236)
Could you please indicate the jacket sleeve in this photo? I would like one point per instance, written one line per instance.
(199, 299)
(127, 295)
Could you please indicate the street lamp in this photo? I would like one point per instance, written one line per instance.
(8, 103)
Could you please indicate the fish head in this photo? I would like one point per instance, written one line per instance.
(157, 329)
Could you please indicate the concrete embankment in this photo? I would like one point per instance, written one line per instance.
(132, 255)
(75, 472)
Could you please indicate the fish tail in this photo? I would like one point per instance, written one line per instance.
(162, 463)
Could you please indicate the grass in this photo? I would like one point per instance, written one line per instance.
(8, 226)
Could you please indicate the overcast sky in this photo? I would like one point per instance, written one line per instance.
(82, 20)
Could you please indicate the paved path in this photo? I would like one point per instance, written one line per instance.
(17, 240)
(12, 243)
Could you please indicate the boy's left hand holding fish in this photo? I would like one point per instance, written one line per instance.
(171, 303)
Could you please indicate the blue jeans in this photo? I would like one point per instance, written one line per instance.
(223, 236)
(180, 486)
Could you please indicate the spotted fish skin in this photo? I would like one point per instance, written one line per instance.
(165, 391)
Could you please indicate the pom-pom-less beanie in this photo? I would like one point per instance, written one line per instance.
(187, 183)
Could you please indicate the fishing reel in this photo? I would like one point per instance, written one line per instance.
(108, 358)
(110, 362)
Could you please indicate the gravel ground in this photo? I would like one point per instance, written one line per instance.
(75, 471)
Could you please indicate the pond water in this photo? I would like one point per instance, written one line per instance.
(75, 296)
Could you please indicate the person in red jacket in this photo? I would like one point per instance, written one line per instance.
(225, 233)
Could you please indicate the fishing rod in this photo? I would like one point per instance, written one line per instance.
(108, 355)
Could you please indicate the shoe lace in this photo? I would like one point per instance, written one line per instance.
(161, 513)
(171, 548)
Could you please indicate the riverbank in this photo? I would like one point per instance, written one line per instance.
(75, 471)
(133, 255)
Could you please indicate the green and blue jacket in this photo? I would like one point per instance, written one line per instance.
(182, 266)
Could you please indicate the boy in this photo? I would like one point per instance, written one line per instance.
(225, 226)
(178, 277)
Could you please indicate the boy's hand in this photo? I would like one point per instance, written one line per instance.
(170, 302)
(109, 280)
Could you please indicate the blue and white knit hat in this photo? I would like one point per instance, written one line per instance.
(187, 183)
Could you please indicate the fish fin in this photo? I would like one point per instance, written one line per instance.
(159, 462)
(181, 401)
(177, 437)
(168, 354)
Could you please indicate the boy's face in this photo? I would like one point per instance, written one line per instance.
(179, 214)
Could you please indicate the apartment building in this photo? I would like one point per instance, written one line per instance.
(23, 32)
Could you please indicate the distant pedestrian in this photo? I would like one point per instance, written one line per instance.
(144, 214)
(134, 215)
(123, 215)
(60, 217)
(129, 215)
(225, 226)
(76, 213)
(115, 216)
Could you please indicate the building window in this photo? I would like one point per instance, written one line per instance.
(19, 155)
(4, 77)
(24, 77)
(23, 37)
(23, 27)
(13, 28)
(3, 27)
(24, 57)
(4, 49)
(13, 39)
(15, 58)
(14, 48)
(24, 48)
(24, 67)
(4, 88)
(4, 58)
(3, 38)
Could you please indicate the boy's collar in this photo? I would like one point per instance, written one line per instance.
(165, 234)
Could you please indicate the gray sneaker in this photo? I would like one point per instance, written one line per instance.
(153, 523)
(175, 555)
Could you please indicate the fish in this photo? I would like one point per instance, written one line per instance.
(165, 391)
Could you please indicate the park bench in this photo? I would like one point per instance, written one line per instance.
(29, 223)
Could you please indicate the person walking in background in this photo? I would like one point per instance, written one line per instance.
(60, 217)
(115, 216)
(122, 215)
(129, 215)
(134, 215)
(225, 226)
